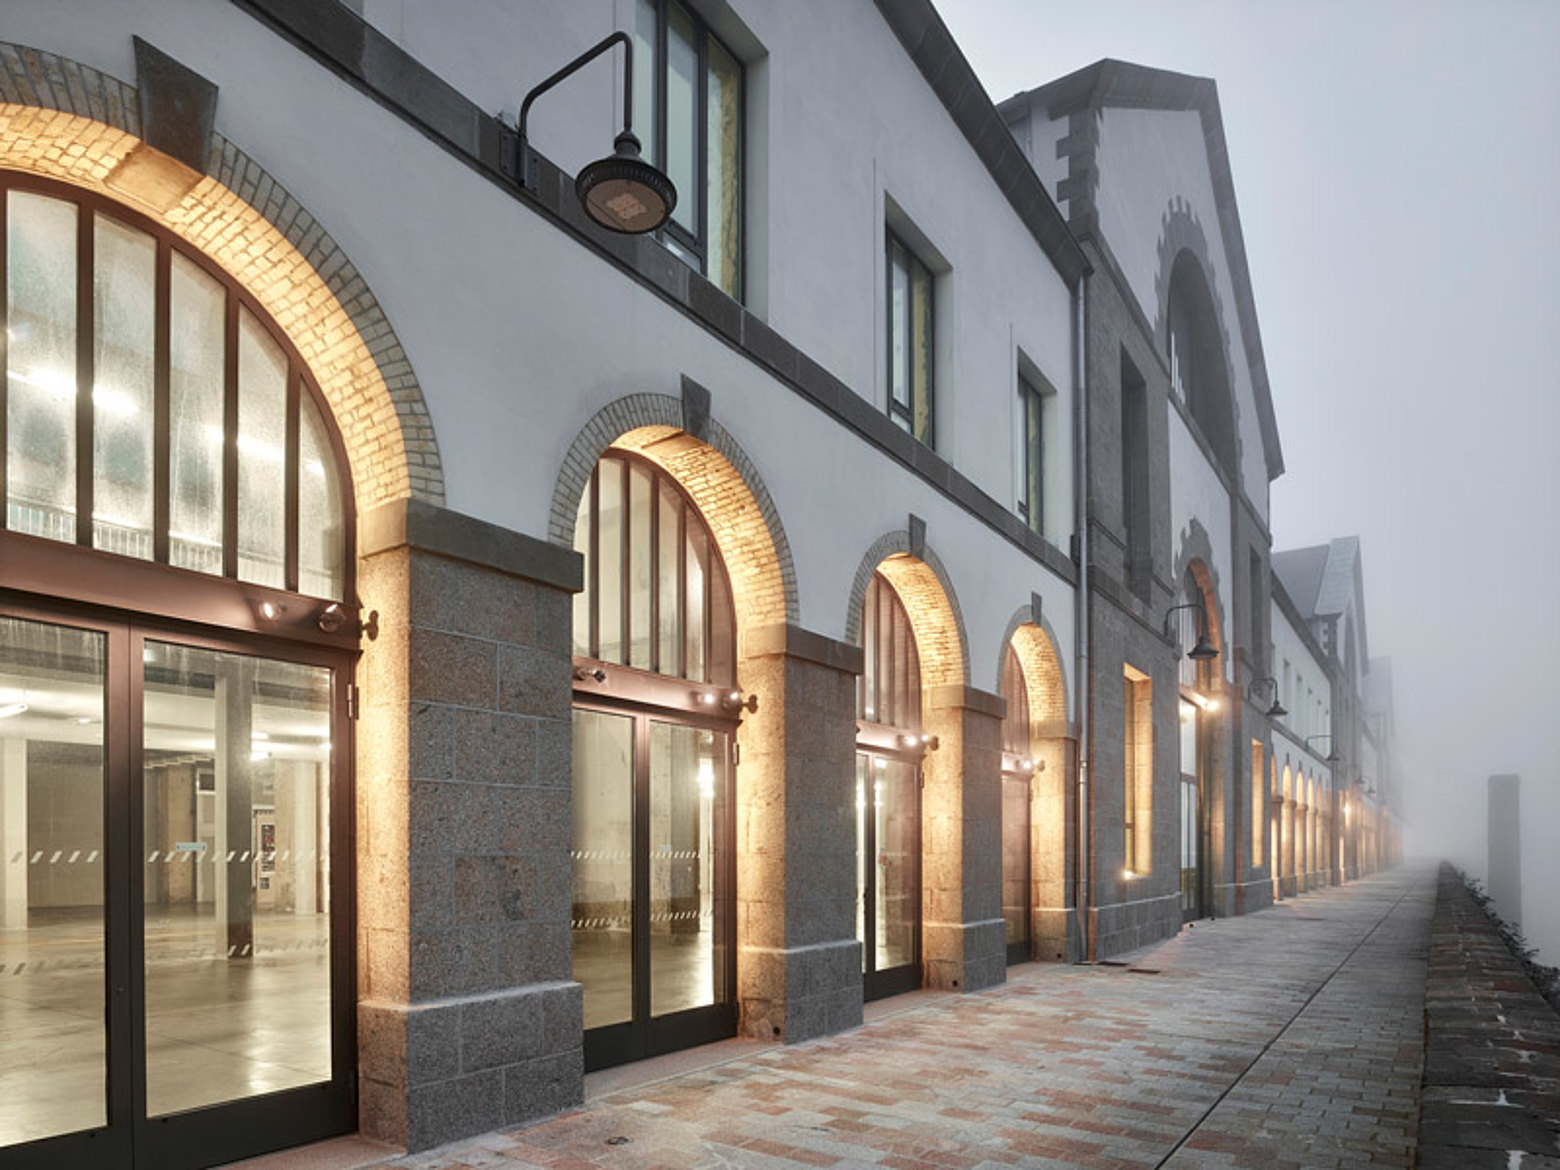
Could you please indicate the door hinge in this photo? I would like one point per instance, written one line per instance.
(736, 754)
(353, 703)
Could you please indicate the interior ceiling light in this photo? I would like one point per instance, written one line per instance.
(10, 709)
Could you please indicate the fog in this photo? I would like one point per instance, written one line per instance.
(1397, 167)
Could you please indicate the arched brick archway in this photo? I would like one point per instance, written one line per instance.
(1045, 673)
(924, 586)
(66, 121)
(721, 480)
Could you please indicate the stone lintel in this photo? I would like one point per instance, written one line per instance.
(959, 695)
(794, 641)
(429, 528)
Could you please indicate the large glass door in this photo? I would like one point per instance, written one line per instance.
(172, 992)
(888, 873)
(654, 916)
(1016, 885)
(1190, 819)
(54, 916)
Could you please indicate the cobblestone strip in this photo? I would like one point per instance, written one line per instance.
(1491, 1094)
(1284, 1038)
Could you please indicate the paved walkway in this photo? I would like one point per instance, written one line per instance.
(1288, 1038)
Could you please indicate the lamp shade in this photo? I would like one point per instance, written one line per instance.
(623, 193)
(1203, 650)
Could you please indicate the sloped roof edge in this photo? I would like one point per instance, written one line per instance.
(935, 53)
(1124, 85)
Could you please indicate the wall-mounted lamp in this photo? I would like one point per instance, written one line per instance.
(733, 701)
(1332, 756)
(930, 742)
(621, 192)
(1277, 710)
(10, 709)
(269, 611)
(1204, 650)
(589, 674)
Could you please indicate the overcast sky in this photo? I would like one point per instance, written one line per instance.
(1397, 167)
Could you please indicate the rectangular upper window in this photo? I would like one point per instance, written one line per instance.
(688, 112)
(910, 342)
(1031, 480)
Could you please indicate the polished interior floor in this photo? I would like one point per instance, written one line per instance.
(683, 974)
(218, 1029)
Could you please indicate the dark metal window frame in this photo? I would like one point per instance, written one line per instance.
(656, 680)
(102, 565)
(903, 414)
(1031, 504)
(895, 657)
(230, 1130)
(697, 244)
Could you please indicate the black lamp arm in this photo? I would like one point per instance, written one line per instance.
(1202, 616)
(580, 62)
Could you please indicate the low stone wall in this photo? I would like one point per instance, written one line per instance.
(1491, 1089)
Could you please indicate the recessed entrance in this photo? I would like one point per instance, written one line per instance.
(655, 716)
(171, 985)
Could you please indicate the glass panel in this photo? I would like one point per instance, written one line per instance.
(698, 560)
(682, 126)
(723, 168)
(124, 388)
(866, 702)
(645, 72)
(1015, 857)
(322, 521)
(863, 774)
(197, 306)
(236, 785)
(1033, 504)
(898, 334)
(687, 852)
(898, 839)
(921, 351)
(668, 561)
(1188, 845)
(262, 455)
(41, 366)
(609, 585)
(1188, 739)
(640, 499)
(582, 600)
(603, 856)
(53, 1079)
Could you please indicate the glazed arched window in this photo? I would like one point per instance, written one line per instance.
(889, 691)
(152, 410)
(1198, 374)
(656, 594)
(1015, 724)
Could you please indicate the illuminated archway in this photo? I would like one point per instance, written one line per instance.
(245, 221)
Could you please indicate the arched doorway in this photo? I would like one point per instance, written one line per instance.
(1199, 709)
(656, 709)
(177, 632)
(1018, 768)
(889, 749)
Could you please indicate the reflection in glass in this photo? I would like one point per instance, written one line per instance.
(687, 901)
(898, 832)
(609, 557)
(682, 128)
(1015, 857)
(863, 863)
(723, 162)
(236, 787)
(124, 296)
(53, 1077)
(322, 570)
(41, 366)
(262, 462)
(603, 855)
(198, 306)
(640, 500)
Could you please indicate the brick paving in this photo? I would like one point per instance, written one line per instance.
(1288, 1038)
